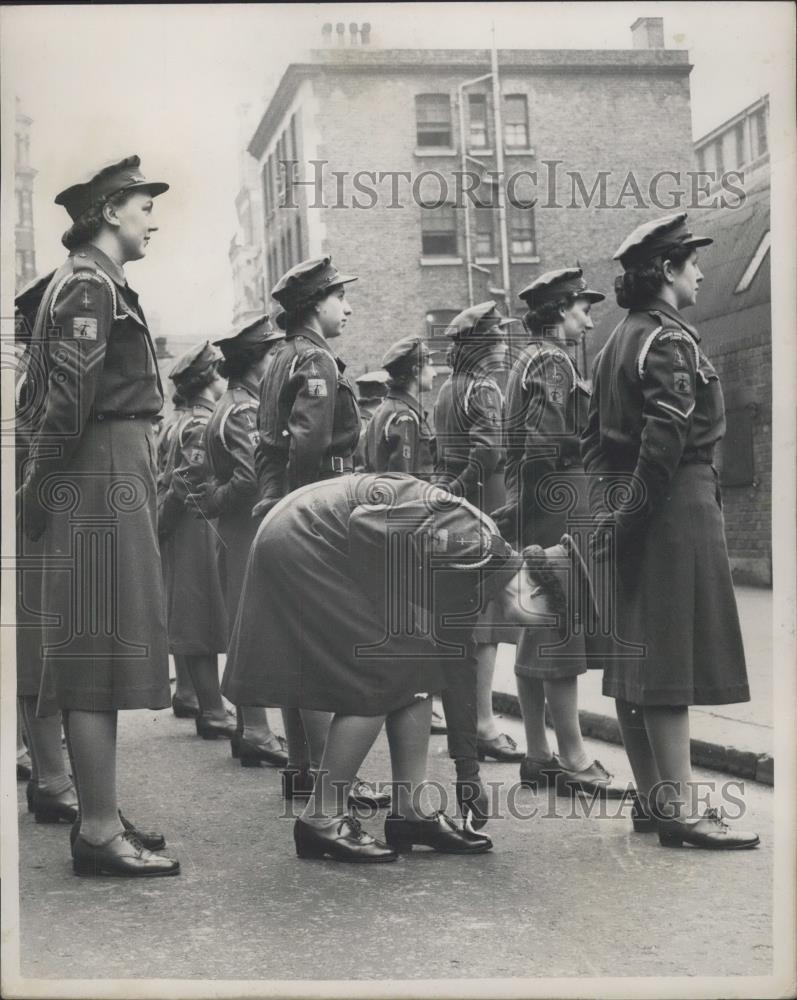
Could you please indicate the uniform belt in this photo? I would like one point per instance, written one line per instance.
(698, 456)
(100, 417)
(338, 465)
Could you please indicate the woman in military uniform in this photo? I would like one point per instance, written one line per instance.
(228, 493)
(89, 493)
(371, 390)
(468, 419)
(309, 427)
(196, 614)
(340, 577)
(544, 414)
(655, 419)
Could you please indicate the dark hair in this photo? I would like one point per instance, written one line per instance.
(403, 372)
(296, 315)
(638, 285)
(177, 398)
(547, 315)
(87, 225)
(190, 387)
(466, 354)
(238, 364)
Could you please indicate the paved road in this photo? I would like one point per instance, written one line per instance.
(556, 897)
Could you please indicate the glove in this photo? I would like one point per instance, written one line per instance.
(262, 508)
(201, 501)
(506, 521)
(472, 798)
(33, 517)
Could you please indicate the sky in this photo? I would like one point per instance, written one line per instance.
(168, 82)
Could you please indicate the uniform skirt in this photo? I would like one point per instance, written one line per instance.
(196, 613)
(542, 654)
(236, 532)
(107, 647)
(30, 617)
(677, 640)
(308, 635)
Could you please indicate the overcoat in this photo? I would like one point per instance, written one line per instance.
(328, 620)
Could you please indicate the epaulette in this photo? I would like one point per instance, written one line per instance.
(249, 404)
(666, 336)
(397, 417)
(85, 268)
(545, 352)
(481, 382)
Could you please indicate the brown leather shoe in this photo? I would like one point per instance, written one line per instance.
(184, 709)
(438, 832)
(539, 772)
(151, 839)
(710, 832)
(215, 729)
(55, 808)
(503, 749)
(344, 840)
(594, 780)
(124, 855)
(273, 751)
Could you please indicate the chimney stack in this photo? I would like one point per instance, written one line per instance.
(340, 28)
(648, 33)
(359, 34)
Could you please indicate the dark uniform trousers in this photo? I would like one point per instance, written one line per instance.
(308, 420)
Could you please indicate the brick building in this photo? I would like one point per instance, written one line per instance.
(24, 173)
(413, 119)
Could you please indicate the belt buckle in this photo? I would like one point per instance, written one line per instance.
(337, 463)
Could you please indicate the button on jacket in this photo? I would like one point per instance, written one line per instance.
(660, 406)
(309, 421)
(399, 438)
(544, 414)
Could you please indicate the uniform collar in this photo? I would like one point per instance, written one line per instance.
(405, 397)
(309, 334)
(659, 305)
(111, 268)
(204, 404)
(249, 382)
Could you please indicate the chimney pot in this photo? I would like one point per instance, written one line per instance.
(648, 33)
(365, 33)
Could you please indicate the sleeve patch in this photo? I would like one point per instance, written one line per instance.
(196, 456)
(254, 438)
(556, 395)
(682, 383)
(406, 451)
(317, 387)
(84, 327)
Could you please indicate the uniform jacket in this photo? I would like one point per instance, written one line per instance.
(399, 438)
(92, 354)
(231, 437)
(468, 423)
(657, 403)
(544, 414)
(166, 434)
(309, 421)
(186, 466)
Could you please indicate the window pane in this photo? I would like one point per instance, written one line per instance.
(477, 124)
(433, 119)
(761, 129)
(516, 121)
(439, 231)
(485, 229)
(740, 157)
(437, 321)
(522, 237)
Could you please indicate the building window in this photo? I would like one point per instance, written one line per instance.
(437, 321)
(754, 266)
(522, 238)
(516, 122)
(477, 121)
(299, 251)
(719, 158)
(740, 156)
(439, 231)
(433, 120)
(700, 156)
(485, 231)
(762, 144)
